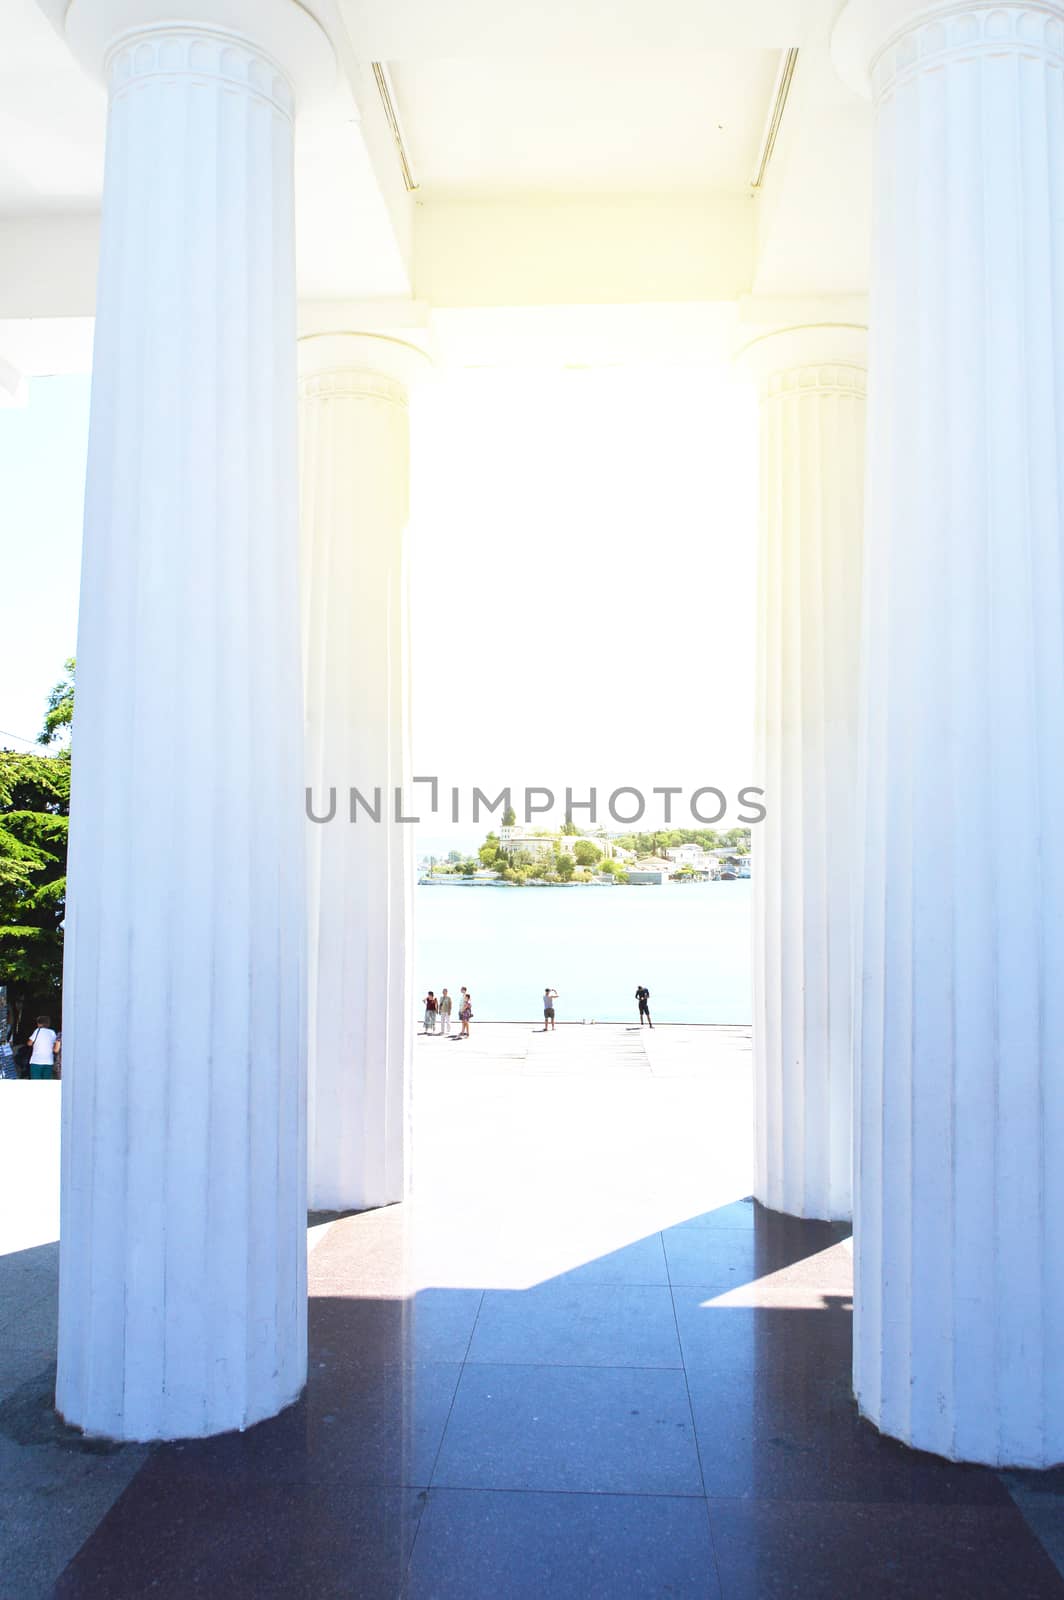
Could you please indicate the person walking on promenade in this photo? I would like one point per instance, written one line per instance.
(465, 1013)
(431, 1006)
(642, 995)
(42, 1058)
(549, 997)
(445, 1012)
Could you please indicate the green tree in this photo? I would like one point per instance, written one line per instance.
(489, 850)
(60, 712)
(34, 811)
(586, 853)
(569, 826)
(565, 866)
(509, 817)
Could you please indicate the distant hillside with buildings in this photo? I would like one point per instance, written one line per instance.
(518, 854)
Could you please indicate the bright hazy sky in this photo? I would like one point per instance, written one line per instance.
(582, 575)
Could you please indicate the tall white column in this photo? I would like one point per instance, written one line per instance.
(355, 464)
(960, 1113)
(812, 389)
(183, 1252)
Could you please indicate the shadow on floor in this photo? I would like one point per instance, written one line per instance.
(674, 1419)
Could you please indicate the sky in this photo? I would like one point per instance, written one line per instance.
(582, 578)
(42, 482)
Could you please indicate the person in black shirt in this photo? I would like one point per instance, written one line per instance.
(642, 994)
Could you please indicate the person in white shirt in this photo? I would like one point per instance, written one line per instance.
(42, 1061)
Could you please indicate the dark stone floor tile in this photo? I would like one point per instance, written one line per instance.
(777, 1234)
(786, 1551)
(643, 1261)
(35, 1324)
(366, 1426)
(784, 1439)
(713, 1259)
(55, 1491)
(324, 1541)
(433, 1325)
(22, 1363)
(739, 1214)
(1040, 1497)
(736, 1340)
(607, 1429)
(566, 1324)
(724, 1258)
(474, 1543)
(1030, 1480)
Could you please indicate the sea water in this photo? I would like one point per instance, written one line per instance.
(688, 943)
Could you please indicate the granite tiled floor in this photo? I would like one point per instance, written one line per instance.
(577, 1364)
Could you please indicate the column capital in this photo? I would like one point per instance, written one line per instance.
(820, 356)
(876, 43)
(250, 41)
(373, 364)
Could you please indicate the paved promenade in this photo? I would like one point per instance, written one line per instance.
(579, 1363)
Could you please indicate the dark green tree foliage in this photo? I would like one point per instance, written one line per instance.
(34, 810)
(649, 844)
(60, 712)
(489, 852)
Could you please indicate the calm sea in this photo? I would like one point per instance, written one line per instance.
(689, 943)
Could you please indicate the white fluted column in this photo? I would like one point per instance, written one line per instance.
(812, 391)
(183, 1253)
(355, 465)
(960, 1113)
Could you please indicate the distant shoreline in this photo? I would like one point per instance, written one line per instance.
(534, 883)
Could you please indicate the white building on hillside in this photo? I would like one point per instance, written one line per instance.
(690, 855)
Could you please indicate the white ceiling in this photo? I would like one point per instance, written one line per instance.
(52, 120)
(557, 142)
(659, 120)
(519, 30)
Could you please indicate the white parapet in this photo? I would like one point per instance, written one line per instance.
(812, 389)
(355, 468)
(183, 1249)
(959, 1203)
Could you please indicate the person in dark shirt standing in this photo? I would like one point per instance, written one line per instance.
(642, 995)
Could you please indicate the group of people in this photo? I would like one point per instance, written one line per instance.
(642, 996)
(438, 1008)
(41, 1054)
